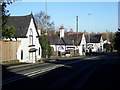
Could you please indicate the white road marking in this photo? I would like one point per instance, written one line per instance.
(29, 74)
(40, 71)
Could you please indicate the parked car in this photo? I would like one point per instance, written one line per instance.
(66, 53)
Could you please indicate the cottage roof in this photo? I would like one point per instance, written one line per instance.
(66, 40)
(93, 38)
(21, 24)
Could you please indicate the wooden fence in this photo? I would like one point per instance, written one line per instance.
(8, 50)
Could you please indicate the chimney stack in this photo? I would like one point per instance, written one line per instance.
(84, 32)
(39, 30)
(62, 32)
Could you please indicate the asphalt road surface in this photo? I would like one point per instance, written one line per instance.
(99, 72)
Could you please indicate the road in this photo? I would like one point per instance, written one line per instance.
(98, 72)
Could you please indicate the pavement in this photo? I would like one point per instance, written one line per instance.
(22, 65)
(51, 60)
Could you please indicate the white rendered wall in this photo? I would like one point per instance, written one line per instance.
(83, 42)
(25, 45)
(56, 47)
(97, 46)
(101, 42)
(59, 48)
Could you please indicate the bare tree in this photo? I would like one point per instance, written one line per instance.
(43, 21)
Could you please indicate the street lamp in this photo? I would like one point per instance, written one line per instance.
(89, 26)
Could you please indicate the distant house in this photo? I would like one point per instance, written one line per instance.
(26, 32)
(94, 43)
(62, 43)
(107, 42)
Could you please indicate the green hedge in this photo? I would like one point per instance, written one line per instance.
(46, 48)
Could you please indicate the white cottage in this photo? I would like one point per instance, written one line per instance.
(94, 43)
(62, 43)
(26, 32)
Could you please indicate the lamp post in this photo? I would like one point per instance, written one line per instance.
(89, 26)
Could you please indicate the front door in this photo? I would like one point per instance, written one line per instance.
(32, 56)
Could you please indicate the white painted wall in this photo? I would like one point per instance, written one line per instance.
(72, 46)
(56, 47)
(97, 46)
(61, 48)
(101, 43)
(83, 42)
(25, 42)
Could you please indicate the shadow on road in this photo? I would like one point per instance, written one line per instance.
(7, 74)
(106, 76)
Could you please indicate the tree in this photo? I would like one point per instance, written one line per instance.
(107, 47)
(117, 40)
(7, 31)
(46, 48)
(43, 21)
(0, 21)
(117, 35)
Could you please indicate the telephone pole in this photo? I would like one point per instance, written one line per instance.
(46, 28)
(77, 29)
(107, 36)
(46, 16)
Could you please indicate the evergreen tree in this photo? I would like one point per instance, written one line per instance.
(117, 40)
(7, 31)
(46, 48)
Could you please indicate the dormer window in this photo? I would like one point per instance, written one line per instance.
(31, 37)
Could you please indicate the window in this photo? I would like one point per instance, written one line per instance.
(21, 54)
(101, 48)
(60, 48)
(83, 48)
(31, 37)
(39, 50)
(71, 48)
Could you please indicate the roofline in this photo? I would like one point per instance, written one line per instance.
(35, 25)
(33, 21)
(21, 16)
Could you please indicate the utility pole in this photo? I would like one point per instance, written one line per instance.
(107, 35)
(46, 16)
(77, 29)
(46, 28)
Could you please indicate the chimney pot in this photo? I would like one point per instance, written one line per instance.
(62, 32)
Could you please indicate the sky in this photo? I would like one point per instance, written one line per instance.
(104, 15)
(119, 15)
